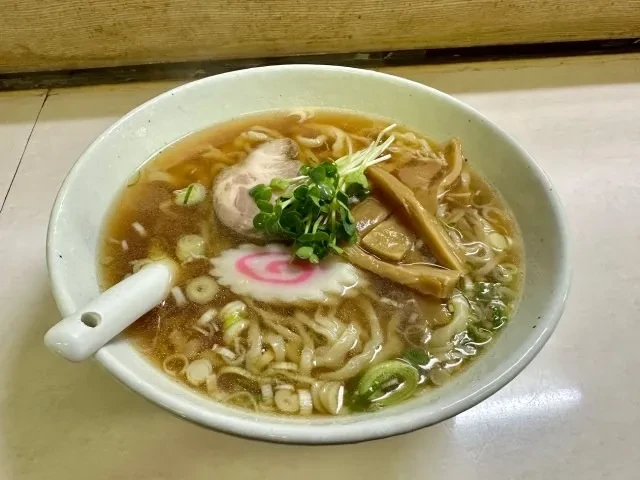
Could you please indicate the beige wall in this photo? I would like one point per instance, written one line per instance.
(62, 34)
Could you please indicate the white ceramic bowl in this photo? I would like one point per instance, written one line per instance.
(96, 178)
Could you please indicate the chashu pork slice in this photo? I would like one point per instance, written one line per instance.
(232, 203)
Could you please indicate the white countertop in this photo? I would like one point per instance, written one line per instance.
(574, 413)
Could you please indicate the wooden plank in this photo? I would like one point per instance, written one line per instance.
(526, 74)
(70, 34)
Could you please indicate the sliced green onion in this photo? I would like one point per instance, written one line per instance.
(230, 320)
(485, 291)
(498, 314)
(231, 313)
(187, 195)
(190, 247)
(191, 195)
(388, 383)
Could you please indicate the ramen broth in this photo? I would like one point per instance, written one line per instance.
(353, 340)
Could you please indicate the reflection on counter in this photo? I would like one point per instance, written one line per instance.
(551, 402)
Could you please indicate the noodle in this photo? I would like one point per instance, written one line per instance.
(311, 142)
(254, 352)
(358, 362)
(270, 319)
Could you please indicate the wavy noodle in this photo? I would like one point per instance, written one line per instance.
(307, 341)
(239, 358)
(293, 351)
(477, 253)
(373, 345)
(255, 136)
(443, 335)
(218, 155)
(363, 140)
(465, 181)
(477, 311)
(330, 322)
(265, 359)
(277, 344)
(303, 115)
(282, 366)
(505, 272)
(464, 228)
(487, 211)
(307, 361)
(408, 137)
(314, 142)
(476, 204)
(341, 141)
(337, 353)
(161, 176)
(421, 332)
(330, 336)
(254, 351)
(453, 154)
(235, 330)
(315, 397)
(270, 319)
(506, 292)
(488, 267)
(310, 156)
(267, 131)
(327, 397)
(242, 372)
(296, 377)
(455, 216)
(393, 345)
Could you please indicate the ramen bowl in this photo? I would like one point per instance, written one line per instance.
(98, 176)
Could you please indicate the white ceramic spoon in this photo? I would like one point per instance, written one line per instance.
(80, 335)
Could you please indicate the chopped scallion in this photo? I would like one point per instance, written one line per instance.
(385, 384)
(187, 195)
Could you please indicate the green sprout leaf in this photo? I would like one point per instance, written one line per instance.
(312, 210)
(260, 192)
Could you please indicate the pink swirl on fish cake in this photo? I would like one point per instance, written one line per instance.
(275, 268)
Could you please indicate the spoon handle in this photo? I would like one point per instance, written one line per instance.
(84, 332)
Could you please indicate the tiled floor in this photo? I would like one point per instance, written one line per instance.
(573, 413)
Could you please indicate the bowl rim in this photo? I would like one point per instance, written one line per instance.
(371, 428)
